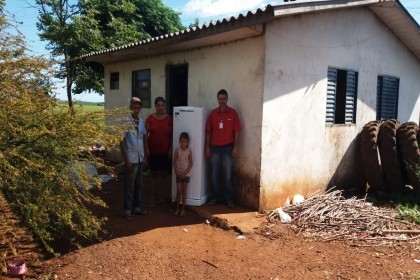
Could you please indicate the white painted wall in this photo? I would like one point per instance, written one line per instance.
(280, 95)
(299, 152)
(236, 67)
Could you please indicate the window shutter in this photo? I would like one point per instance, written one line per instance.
(331, 90)
(351, 97)
(387, 98)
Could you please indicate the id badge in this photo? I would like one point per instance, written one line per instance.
(220, 125)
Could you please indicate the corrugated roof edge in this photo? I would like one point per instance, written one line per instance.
(223, 21)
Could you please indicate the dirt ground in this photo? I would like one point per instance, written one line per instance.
(163, 246)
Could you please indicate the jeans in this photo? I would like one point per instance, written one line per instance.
(221, 162)
(132, 190)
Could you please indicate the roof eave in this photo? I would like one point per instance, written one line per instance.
(400, 22)
(391, 12)
(293, 8)
(241, 27)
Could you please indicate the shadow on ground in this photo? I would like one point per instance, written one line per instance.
(239, 219)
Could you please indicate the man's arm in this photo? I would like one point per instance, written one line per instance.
(124, 154)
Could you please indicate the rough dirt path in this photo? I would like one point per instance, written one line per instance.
(163, 246)
(205, 252)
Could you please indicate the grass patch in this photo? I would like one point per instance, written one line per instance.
(410, 212)
(405, 202)
(90, 108)
(87, 107)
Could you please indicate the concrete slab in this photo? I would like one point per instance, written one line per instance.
(240, 219)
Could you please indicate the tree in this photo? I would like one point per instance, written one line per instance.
(43, 172)
(67, 36)
(157, 18)
(91, 25)
(195, 24)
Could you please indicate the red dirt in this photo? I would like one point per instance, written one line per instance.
(163, 246)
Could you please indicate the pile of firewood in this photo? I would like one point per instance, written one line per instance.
(330, 216)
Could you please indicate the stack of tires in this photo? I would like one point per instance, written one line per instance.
(390, 155)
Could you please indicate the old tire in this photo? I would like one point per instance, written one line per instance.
(369, 155)
(387, 144)
(409, 153)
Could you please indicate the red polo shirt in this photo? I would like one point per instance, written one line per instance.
(221, 125)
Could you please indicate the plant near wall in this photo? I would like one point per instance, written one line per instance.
(43, 155)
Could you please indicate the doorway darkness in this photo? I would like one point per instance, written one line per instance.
(176, 86)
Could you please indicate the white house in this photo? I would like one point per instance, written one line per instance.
(304, 77)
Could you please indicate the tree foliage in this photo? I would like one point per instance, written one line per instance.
(72, 30)
(41, 156)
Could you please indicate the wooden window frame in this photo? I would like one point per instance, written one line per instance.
(142, 86)
(114, 80)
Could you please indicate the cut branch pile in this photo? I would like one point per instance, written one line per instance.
(330, 216)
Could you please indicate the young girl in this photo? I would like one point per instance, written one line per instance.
(182, 166)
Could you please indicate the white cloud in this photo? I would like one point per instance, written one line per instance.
(219, 8)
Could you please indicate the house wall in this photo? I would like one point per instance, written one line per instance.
(300, 154)
(236, 67)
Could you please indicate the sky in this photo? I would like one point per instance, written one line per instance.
(205, 10)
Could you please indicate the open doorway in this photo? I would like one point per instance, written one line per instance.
(176, 86)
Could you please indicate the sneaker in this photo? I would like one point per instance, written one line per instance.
(230, 204)
(211, 202)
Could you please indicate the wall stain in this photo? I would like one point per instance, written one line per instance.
(344, 173)
(274, 194)
(280, 74)
(247, 187)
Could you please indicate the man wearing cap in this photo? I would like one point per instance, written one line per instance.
(222, 137)
(134, 150)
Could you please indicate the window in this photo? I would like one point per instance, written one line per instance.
(341, 96)
(114, 80)
(142, 86)
(387, 98)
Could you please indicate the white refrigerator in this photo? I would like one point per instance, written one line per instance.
(193, 121)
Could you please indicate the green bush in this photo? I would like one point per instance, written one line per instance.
(42, 147)
(410, 212)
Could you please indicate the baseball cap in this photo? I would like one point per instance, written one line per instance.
(135, 99)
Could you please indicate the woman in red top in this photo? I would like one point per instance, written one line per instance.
(159, 129)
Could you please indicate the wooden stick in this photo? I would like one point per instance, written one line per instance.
(402, 231)
(209, 263)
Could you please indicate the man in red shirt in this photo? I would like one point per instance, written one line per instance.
(222, 137)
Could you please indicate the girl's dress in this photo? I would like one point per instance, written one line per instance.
(182, 161)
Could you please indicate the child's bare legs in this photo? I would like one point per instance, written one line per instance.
(178, 197)
(184, 198)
